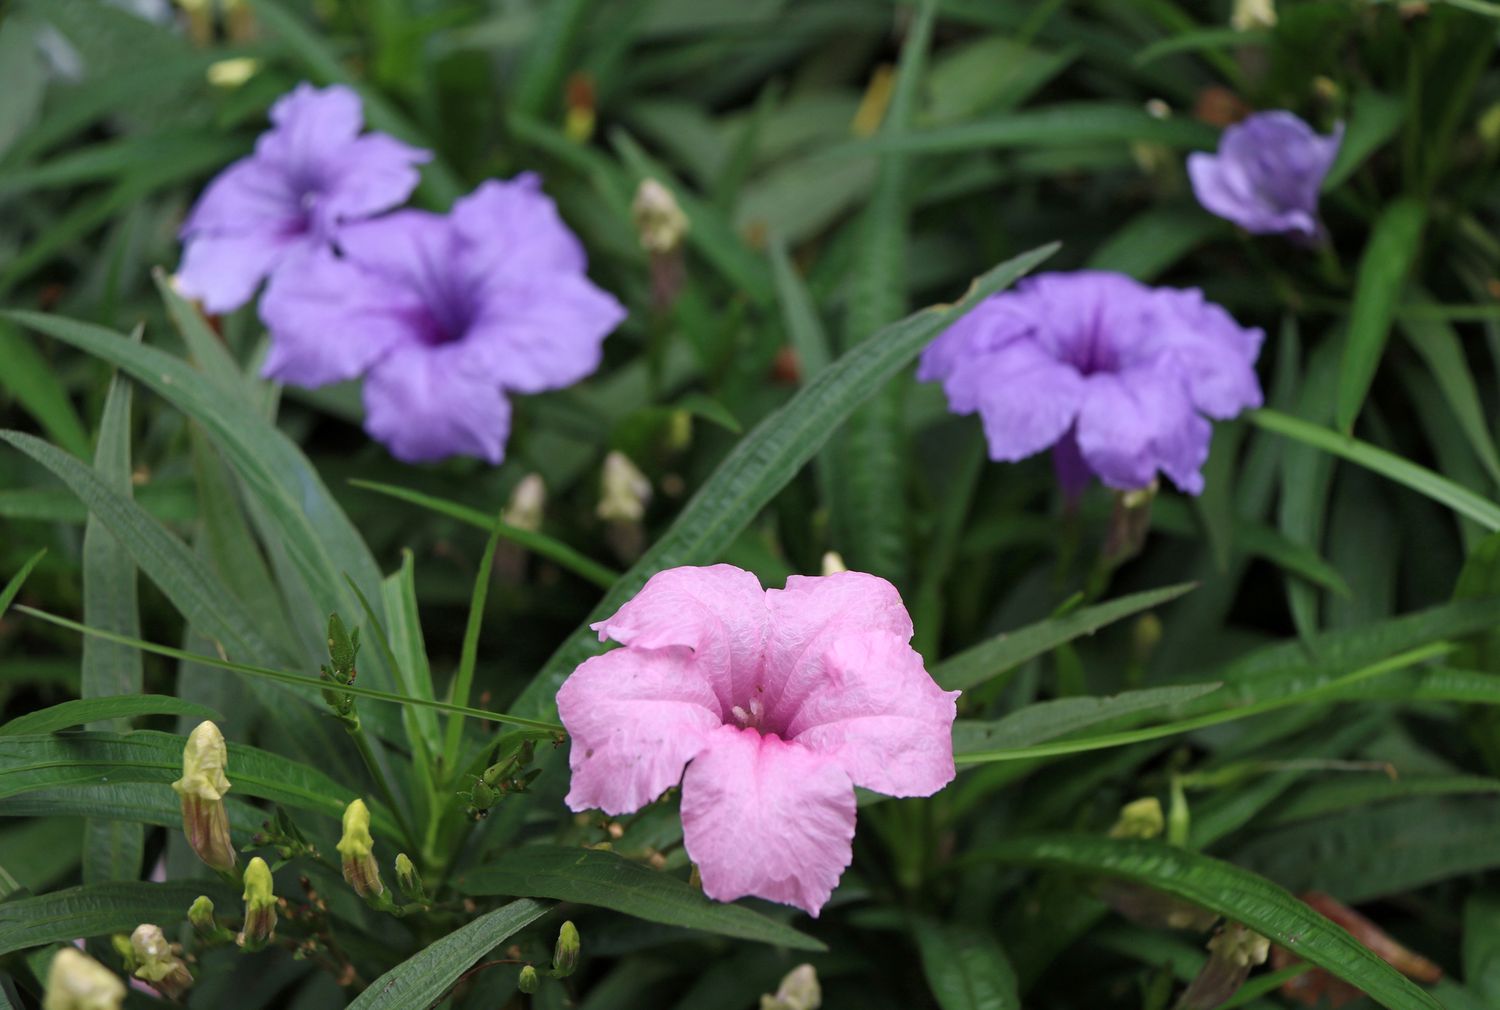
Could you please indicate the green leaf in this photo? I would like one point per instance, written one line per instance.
(548, 547)
(296, 679)
(13, 587)
(1228, 890)
(1050, 719)
(764, 461)
(1443, 352)
(1388, 258)
(44, 761)
(1154, 240)
(595, 877)
(799, 315)
(1440, 489)
(1374, 121)
(1062, 125)
(405, 635)
(86, 710)
(463, 679)
(421, 981)
(1200, 40)
(966, 967)
(35, 385)
(1005, 652)
(99, 909)
(141, 802)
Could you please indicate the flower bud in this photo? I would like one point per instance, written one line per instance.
(1250, 14)
(833, 563)
(202, 788)
(201, 915)
(527, 502)
(565, 954)
(799, 990)
(625, 491)
(232, 73)
(1233, 951)
(157, 962)
(408, 879)
(659, 221)
(260, 905)
(528, 980)
(358, 850)
(1141, 818)
(78, 982)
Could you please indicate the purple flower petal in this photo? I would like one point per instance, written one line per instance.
(513, 228)
(423, 408)
(1267, 174)
(223, 272)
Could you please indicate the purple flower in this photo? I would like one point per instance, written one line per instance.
(1115, 376)
(443, 314)
(310, 173)
(1266, 175)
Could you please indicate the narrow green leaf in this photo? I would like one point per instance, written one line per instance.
(405, 632)
(1154, 240)
(966, 967)
(1373, 122)
(295, 679)
(547, 547)
(1201, 40)
(548, 54)
(1440, 347)
(1423, 481)
(1050, 719)
(595, 877)
(86, 710)
(100, 909)
(421, 981)
(1388, 258)
(1223, 888)
(35, 385)
(1062, 125)
(1007, 651)
(45, 761)
(799, 315)
(140, 802)
(13, 587)
(463, 680)
(765, 460)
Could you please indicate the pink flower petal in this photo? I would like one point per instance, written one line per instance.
(879, 716)
(764, 817)
(806, 617)
(635, 718)
(718, 612)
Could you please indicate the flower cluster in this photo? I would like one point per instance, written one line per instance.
(443, 315)
(776, 702)
(1116, 377)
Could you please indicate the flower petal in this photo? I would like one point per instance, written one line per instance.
(764, 817)
(223, 271)
(307, 122)
(1026, 398)
(879, 716)
(718, 612)
(513, 228)
(636, 717)
(543, 331)
(807, 617)
(1215, 355)
(330, 320)
(1140, 420)
(369, 175)
(423, 405)
(250, 196)
(989, 326)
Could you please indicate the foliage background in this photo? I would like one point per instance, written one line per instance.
(829, 194)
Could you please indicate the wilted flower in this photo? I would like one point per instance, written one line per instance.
(778, 703)
(1233, 951)
(310, 173)
(446, 314)
(1114, 376)
(799, 990)
(260, 905)
(358, 851)
(78, 982)
(202, 788)
(157, 962)
(527, 502)
(1267, 174)
(1249, 14)
(659, 221)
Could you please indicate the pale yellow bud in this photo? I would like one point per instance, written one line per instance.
(358, 849)
(233, 72)
(625, 491)
(260, 905)
(833, 563)
(157, 962)
(202, 788)
(799, 990)
(527, 502)
(1141, 818)
(78, 982)
(1251, 14)
(659, 221)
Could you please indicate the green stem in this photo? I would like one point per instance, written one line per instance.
(464, 681)
(367, 753)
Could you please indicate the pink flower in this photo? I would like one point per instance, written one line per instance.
(777, 702)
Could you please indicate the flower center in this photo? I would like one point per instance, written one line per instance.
(750, 716)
